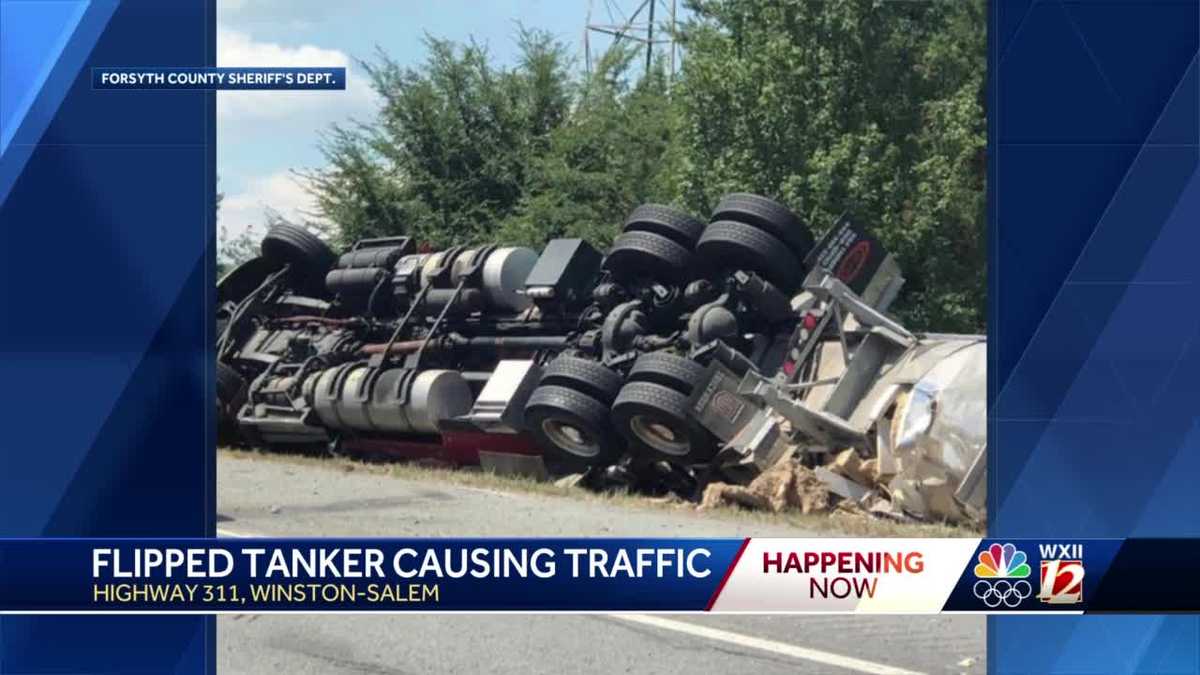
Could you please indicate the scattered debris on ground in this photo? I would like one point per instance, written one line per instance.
(847, 484)
(786, 486)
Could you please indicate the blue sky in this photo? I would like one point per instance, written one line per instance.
(262, 136)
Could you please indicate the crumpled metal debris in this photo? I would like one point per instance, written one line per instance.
(924, 460)
(842, 486)
(939, 441)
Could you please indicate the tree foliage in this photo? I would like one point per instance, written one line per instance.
(448, 157)
(850, 105)
(607, 157)
(864, 106)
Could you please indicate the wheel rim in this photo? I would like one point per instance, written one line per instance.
(571, 438)
(660, 435)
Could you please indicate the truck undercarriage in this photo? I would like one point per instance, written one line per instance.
(682, 346)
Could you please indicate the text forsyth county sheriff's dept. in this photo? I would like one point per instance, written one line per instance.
(214, 80)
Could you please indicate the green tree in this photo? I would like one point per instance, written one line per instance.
(607, 157)
(865, 106)
(447, 158)
(860, 105)
(357, 190)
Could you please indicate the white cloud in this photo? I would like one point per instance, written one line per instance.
(262, 135)
(245, 211)
(237, 48)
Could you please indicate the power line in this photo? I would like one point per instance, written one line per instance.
(639, 26)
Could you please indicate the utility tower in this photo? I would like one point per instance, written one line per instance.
(651, 24)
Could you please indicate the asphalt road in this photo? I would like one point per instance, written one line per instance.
(274, 498)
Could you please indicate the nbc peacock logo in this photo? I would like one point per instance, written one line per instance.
(1002, 562)
(1002, 574)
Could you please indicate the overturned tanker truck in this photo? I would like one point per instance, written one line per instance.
(689, 344)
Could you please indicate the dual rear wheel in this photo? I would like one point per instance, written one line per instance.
(656, 242)
(746, 231)
(651, 411)
(568, 412)
(757, 234)
(582, 414)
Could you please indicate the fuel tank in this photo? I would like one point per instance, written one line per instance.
(502, 277)
(397, 400)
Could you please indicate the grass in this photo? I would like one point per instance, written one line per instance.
(835, 524)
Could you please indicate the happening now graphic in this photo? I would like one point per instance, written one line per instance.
(1002, 573)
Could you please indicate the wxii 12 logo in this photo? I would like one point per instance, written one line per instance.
(1062, 574)
(1003, 577)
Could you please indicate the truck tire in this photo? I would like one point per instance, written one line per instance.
(296, 246)
(769, 216)
(244, 280)
(669, 370)
(648, 255)
(231, 387)
(726, 244)
(231, 394)
(654, 418)
(668, 222)
(583, 375)
(571, 427)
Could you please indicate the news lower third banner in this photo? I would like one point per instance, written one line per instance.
(599, 575)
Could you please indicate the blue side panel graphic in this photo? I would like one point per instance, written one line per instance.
(35, 103)
(1094, 380)
(32, 36)
(106, 278)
